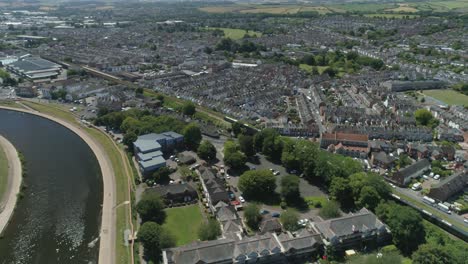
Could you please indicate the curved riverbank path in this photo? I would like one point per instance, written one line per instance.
(108, 221)
(10, 197)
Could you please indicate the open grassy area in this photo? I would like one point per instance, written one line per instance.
(235, 33)
(449, 97)
(183, 223)
(59, 111)
(268, 9)
(314, 201)
(403, 8)
(3, 172)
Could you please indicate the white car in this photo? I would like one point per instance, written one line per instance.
(227, 176)
(393, 185)
(241, 199)
(437, 177)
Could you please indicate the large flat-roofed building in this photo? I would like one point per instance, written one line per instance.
(35, 69)
(149, 149)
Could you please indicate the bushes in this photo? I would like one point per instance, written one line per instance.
(329, 210)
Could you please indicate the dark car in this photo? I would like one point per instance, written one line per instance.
(275, 214)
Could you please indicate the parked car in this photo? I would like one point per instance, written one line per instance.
(275, 214)
(264, 212)
(437, 177)
(241, 199)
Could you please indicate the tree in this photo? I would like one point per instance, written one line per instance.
(289, 219)
(235, 160)
(188, 108)
(236, 128)
(129, 138)
(260, 137)
(309, 60)
(368, 198)
(257, 183)
(206, 150)
(358, 181)
(139, 91)
(209, 230)
(272, 147)
(192, 135)
(161, 175)
(432, 254)
(330, 71)
(424, 118)
(290, 187)
(340, 191)
(331, 209)
(252, 215)
(154, 239)
(151, 208)
(246, 145)
(405, 223)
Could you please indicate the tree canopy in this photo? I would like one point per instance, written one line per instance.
(151, 208)
(252, 215)
(192, 135)
(330, 209)
(290, 187)
(405, 223)
(289, 219)
(257, 183)
(209, 230)
(206, 150)
(424, 118)
(188, 108)
(154, 239)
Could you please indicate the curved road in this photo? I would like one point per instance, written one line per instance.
(8, 202)
(108, 222)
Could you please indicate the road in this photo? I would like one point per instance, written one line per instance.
(452, 218)
(8, 201)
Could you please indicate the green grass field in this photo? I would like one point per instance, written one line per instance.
(235, 33)
(3, 172)
(308, 68)
(449, 97)
(183, 223)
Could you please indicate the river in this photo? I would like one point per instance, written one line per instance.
(60, 212)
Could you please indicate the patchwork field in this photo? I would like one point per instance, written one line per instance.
(183, 223)
(410, 7)
(449, 97)
(398, 16)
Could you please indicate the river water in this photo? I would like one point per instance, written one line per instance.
(60, 212)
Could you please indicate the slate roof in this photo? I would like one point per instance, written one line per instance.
(172, 189)
(203, 252)
(270, 225)
(302, 241)
(226, 213)
(449, 186)
(259, 244)
(383, 157)
(411, 170)
(362, 221)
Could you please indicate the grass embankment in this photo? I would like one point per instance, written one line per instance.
(3, 172)
(449, 97)
(202, 113)
(234, 33)
(121, 180)
(183, 223)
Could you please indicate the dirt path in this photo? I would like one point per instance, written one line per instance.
(108, 223)
(8, 201)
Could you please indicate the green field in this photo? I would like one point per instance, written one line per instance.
(449, 97)
(371, 7)
(183, 223)
(3, 172)
(308, 68)
(235, 33)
